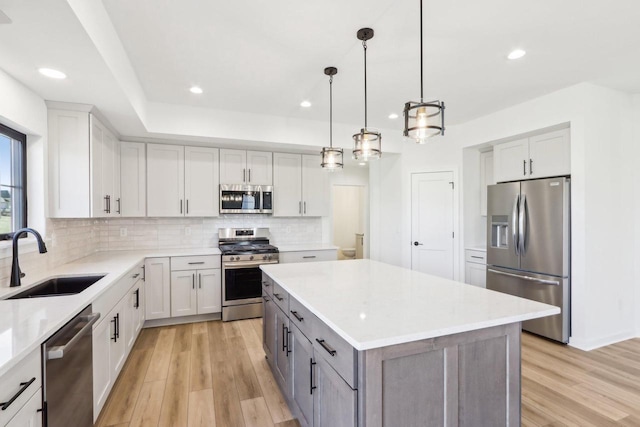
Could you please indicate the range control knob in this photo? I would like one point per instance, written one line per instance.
(237, 258)
(264, 257)
(251, 257)
(268, 256)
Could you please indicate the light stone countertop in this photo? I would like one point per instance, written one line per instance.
(301, 247)
(27, 323)
(372, 304)
(477, 248)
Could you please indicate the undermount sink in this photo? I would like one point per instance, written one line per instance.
(59, 286)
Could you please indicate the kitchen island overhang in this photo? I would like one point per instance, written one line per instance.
(425, 350)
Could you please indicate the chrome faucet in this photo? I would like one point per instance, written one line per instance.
(16, 274)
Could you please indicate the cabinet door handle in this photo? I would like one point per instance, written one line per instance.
(106, 204)
(200, 280)
(137, 303)
(300, 207)
(305, 208)
(23, 387)
(277, 297)
(284, 346)
(297, 316)
(187, 206)
(193, 281)
(249, 175)
(118, 325)
(180, 205)
(288, 343)
(327, 347)
(118, 202)
(244, 175)
(524, 167)
(311, 365)
(114, 338)
(530, 167)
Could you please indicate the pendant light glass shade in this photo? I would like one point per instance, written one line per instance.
(422, 120)
(368, 142)
(367, 145)
(332, 158)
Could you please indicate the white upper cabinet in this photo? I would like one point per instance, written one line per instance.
(182, 181)
(550, 154)
(246, 167)
(315, 187)
(201, 188)
(540, 156)
(165, 180)
(300, 186)
(486, 179)
(133, 179)
(84, 166)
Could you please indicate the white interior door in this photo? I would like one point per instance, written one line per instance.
(432, 229)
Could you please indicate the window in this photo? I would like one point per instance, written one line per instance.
(13, 181)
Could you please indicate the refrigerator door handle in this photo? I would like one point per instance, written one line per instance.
(522, 224)
(514, 225)
(529, 278)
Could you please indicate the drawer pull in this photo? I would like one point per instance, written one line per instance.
(23, 387)
(308, 256)
(477, 257)
(265, 283)
(195, 263)
(327, 347)
(297, 316)
(278, 296)
(135, 276)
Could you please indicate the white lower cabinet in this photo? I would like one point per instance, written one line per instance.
(114, 336)
(308, 256)
(195, 289)
(30, 415)
(157, 275)
(18, 386)
(476, 268)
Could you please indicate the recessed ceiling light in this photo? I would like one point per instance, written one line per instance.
(305, 104)
(54, 74)
(516, 54)
(393, 116)
(196, 89)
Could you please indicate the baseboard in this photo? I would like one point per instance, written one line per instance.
(592, 344)
(181, 320)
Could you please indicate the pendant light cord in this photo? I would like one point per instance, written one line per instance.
(421, 60)
(331, 111)
(364, 45)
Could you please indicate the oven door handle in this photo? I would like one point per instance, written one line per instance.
(246, 264)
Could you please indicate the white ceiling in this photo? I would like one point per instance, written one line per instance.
(260, 56)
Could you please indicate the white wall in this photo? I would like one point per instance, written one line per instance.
(602, 162)
(636, 211)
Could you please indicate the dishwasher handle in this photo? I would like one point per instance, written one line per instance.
(57, 352)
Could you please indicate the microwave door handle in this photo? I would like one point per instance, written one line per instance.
(514, 225)
(261, 207)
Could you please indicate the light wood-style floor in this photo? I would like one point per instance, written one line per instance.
(214, 374)
(211, 374)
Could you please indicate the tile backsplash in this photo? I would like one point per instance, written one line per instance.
(70, 239)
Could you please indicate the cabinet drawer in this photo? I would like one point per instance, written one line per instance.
(27, 371)
(281, 297)
(334, 349)
(195, 262)
(308, 256)
(300, 316)
(267, 284)
(478, 257)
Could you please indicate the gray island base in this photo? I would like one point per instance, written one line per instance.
(335, 371)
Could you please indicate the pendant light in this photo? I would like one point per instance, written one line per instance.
(423, 120)
(332, 158)
(368, 141)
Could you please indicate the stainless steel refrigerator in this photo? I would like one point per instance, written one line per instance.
(529, 248)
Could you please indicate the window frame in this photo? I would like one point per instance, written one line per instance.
(22, 139)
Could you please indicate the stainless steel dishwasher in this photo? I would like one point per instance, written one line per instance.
(68, 373)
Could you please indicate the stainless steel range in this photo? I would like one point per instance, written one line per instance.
(243, 251)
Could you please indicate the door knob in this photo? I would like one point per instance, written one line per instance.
(417, 244)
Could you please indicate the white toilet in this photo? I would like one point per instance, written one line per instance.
(348, 253)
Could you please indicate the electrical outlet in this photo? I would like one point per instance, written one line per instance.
(123, 232)
(187, 231)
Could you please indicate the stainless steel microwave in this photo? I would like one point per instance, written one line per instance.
(246, 199)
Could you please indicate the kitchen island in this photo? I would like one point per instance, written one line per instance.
(363, 343)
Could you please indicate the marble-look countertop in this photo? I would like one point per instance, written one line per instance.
(301, 247)
(27, 323)
(372, 304)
